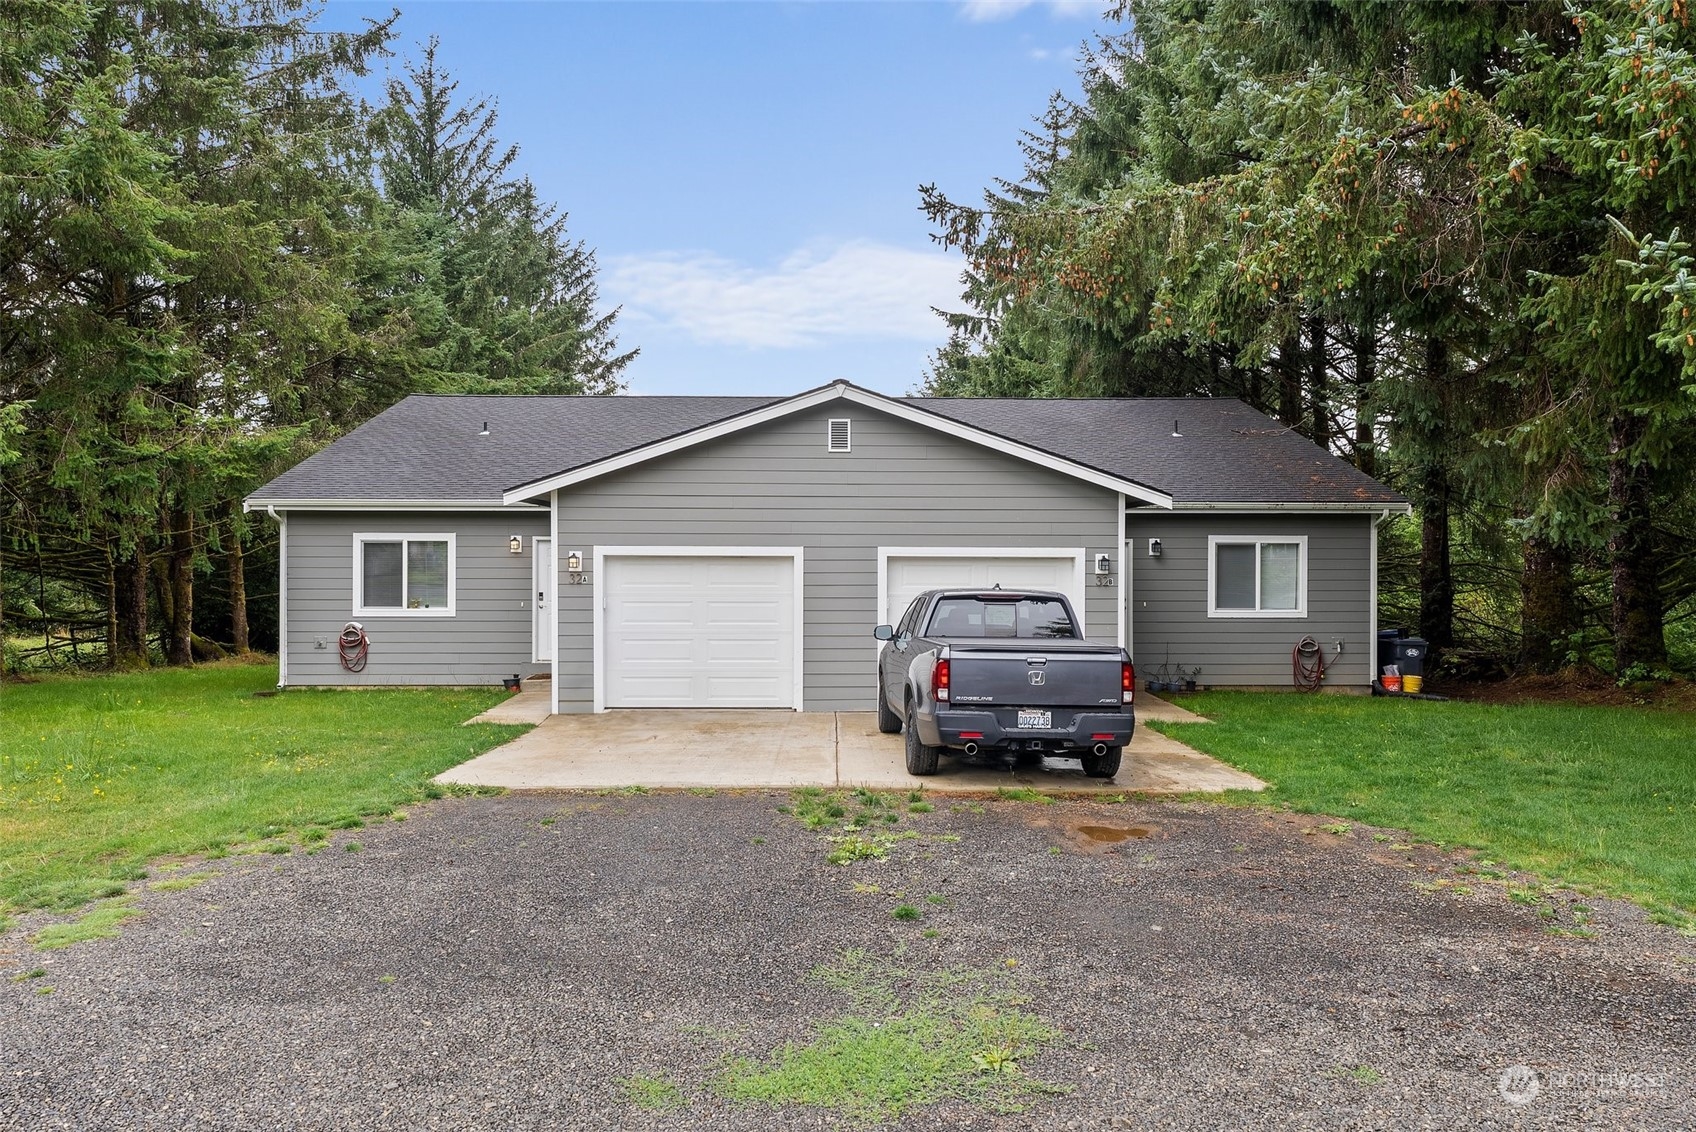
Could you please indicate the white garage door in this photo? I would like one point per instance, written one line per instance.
(908, 574)
(699, 631)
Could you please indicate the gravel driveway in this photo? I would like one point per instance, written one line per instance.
(509, 962)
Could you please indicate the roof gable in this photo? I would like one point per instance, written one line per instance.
(905, 409)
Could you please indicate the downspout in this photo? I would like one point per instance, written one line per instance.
(1372, 606)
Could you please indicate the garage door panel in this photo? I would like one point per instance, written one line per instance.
(699, 631)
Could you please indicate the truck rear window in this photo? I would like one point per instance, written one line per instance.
(1025, 617)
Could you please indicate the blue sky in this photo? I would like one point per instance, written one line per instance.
(747, 172)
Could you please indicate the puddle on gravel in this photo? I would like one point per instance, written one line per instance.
(1110, 833)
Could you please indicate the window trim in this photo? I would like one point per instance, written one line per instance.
(361, 538)
(1256, 541)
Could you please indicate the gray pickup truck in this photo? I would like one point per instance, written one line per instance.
(1002, 675)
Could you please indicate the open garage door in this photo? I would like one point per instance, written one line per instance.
(697, 629)
(909, 571)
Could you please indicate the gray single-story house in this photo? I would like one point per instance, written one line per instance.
(736, 552)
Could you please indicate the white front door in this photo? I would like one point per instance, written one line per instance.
(909, 573)
(706, 631)
(543, 580)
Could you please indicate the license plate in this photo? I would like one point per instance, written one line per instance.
(1042, 719)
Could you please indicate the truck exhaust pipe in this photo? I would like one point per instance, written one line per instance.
(971, 750)
(1099, 750)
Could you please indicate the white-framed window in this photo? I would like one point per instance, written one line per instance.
(839, 435)
(403, 575)
(1257, 575)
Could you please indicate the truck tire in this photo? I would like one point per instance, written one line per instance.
(887, 721)
(921, 757)
(1106, 766)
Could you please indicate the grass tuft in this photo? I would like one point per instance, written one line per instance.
(653, 1093)
(913, 1039)
(100, 922)
(1023, 794)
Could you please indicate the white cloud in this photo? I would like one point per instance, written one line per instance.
(987, 11)
(859, 290)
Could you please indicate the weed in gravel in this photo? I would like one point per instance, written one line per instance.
(385, 979)
(43, 990)
(756, 841)
(178, 884)
(1337, 829)
(905, 912)
(920, 808)
(32, 973)
(931, 933)
(652, 1092)
(936, 898)
(1362, 1074)
(1023, 794)
(101, 922)
(914, 1038)
(968, 807)
(353, 847)
(852, 847)
(701, 791)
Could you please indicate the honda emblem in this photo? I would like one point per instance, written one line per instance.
(1036, 676)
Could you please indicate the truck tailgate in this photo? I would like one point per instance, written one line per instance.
(1067, 676)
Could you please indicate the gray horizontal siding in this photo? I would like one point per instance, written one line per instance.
(1169, 600)
(488, 637)
(776, 485)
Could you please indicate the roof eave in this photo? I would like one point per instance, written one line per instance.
(263, 503)
(1397, 506)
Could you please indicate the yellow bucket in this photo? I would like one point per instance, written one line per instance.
(1412, 684)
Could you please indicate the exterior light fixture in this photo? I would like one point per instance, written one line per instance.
(1154, 548)
(1103, 569)
(574, 566)
(515, 544)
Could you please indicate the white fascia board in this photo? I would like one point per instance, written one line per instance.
(1308, 508)
(256, 504)
(829, 393)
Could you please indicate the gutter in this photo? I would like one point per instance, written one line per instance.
(1384, 509)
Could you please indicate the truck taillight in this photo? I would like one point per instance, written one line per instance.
(939, 680)
(1127, 681)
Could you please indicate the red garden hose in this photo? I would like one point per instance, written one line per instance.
(1307, 662)
(354, 646)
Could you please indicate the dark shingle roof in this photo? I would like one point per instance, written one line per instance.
(428, 447)
(1226, 452)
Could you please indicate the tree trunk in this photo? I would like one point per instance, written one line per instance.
(1318, 387)
(130, 597)
(1289, 382)
(1549, 608)
(238, 588)
(1436, 564)
(1365, 374)
(179, 648)
(112, 648)
(1638, 612)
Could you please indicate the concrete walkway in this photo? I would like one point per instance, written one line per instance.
(530, 705)
(745, 749)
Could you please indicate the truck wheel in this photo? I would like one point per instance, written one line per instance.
(887, 721)
(921, 757)
(1104, 767)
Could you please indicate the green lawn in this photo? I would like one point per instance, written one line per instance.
(1601, 797)
(101, 774)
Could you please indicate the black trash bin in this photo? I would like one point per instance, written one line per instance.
(1410, 656)
(1387, 641)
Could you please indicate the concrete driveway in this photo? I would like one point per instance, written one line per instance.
(730, 749)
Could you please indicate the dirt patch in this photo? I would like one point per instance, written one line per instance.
(1110, 833)
(1595, 689)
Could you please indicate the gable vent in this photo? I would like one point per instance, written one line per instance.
(839, 434)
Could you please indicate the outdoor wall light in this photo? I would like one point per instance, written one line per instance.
(1104, 569)
(574, 563)
(1154, 548)
(515, 544)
